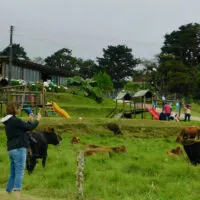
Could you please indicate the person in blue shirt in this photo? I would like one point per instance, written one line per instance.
(178, 106)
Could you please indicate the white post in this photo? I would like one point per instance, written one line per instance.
(80, 175)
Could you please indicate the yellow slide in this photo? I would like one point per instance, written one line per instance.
(60, 111)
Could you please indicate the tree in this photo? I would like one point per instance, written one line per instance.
(173, 76)
(151, 76)
(104, 82)
(18, 52)
(86, 68)
(132, 87)
(118, 62)
(184, 44)
(63, 59)
(39, 60)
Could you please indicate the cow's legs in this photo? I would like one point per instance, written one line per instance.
(44, 160)
(31, 165)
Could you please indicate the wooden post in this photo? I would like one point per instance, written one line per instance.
(80, 175)
(23, 99)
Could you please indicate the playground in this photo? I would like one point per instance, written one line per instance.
(30, 101)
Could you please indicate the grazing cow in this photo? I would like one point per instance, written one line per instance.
(190, 139)
(191, 132)
(115, 128)
(39, 141)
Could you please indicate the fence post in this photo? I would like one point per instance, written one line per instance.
(80, 175)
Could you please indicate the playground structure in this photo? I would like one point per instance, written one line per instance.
(128, 105)
(153, 112)
(29, 101)
(59, 110)
(22, 95)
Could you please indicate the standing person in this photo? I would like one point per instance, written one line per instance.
(167, 110)
(163, 102)
(178, 106)
(187, 110)
(17, 143)
(155, 104)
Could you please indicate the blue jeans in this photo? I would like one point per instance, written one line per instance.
(17, 166)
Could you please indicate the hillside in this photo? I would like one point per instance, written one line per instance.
(79, 106)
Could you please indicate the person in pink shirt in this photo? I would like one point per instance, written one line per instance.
(167, 110)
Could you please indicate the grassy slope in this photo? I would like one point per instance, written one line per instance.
(78, 106)
(144, 172)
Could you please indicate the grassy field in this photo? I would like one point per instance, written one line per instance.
(144, 172)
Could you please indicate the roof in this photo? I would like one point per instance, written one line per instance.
(123, 96)
(143, 93)
(31, 65)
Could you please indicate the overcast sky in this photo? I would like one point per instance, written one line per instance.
(87, 26)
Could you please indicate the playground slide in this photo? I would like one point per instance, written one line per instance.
(60, 111)
(153, 112)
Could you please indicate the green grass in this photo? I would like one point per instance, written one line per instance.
(144, 172)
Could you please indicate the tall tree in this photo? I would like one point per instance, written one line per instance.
(62, 59)
(18, 52)
(86, 68)
(184, 44)
(150, 73)
(119, 63)
(173, 76)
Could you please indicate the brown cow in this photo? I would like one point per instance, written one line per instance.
(191, 132)
(92, 151)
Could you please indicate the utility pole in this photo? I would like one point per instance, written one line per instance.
(10, 54)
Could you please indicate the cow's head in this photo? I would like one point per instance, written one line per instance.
(52, 137)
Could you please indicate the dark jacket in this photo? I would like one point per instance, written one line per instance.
(15, 129)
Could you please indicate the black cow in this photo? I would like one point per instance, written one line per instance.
(193, 152)
(39, 141)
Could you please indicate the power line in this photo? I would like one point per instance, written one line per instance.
(134, 41)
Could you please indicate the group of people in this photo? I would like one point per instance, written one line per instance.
(17, 144)
(168, 113)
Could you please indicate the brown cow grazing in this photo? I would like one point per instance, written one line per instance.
(191, 132)
(190, 139)
(176, 151)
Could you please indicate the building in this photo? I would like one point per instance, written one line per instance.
(30, 71)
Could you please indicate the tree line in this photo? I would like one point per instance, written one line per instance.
(174, 70)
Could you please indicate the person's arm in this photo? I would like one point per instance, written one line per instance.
(27, 126)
